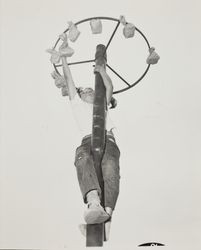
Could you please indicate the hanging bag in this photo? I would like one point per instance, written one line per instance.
(66, 51)
(153, 56)
(73, 32)
(96, 26)
(55, 56)
(58, 79)
(129, 30)
(64, 91)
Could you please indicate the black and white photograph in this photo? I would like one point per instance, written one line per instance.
(100, 125)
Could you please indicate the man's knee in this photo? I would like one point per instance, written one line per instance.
(82, 158)
(110, 169)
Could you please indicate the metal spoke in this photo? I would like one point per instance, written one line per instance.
(118, 75)
(112, 36)
(73, 63)
(136, 82)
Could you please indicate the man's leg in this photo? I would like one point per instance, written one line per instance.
(110, 169)
(111, 176)
(85, 171)
(89, 185)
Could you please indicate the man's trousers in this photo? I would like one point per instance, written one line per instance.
(110, 170)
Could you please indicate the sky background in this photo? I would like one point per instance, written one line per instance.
(158, 125)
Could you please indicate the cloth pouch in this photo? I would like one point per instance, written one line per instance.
(55, 56)
(58, 79)
(64, 91)
(66, 51)
(129, 30)
(96, 26)
(73, 32)
(153, 56)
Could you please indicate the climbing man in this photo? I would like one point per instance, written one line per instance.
(81, 100)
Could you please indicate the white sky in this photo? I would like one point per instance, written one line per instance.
(158, 125)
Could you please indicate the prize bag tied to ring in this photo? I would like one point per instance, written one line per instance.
(73, 32)
(129, 28)
(96, 26)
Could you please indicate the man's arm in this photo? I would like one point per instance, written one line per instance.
(66, 70)
(107, 82)
(68, 78)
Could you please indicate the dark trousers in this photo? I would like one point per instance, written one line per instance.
(110, 169)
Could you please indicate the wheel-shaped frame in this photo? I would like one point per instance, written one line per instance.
(93, 60)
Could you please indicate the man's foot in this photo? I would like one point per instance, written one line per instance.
(95, 214)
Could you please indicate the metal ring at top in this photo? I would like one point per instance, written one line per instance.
(116, 20)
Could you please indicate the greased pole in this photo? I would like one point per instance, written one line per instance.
(95, 232)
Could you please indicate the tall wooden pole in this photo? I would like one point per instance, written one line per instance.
(95, 232)
(99, 115)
